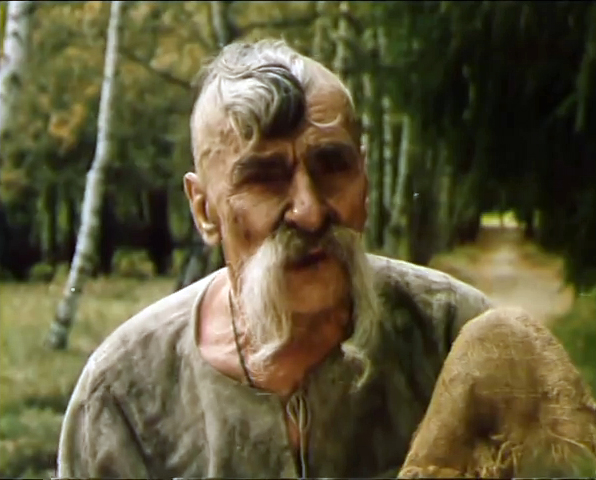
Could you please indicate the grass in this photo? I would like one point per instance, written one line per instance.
(577, 332)
(35, 382)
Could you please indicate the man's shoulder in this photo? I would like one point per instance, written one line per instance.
(437, 295)
(148, 342)
(414, 278)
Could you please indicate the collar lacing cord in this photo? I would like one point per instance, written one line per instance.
(298, 412)
(296, 407)
(247, 375)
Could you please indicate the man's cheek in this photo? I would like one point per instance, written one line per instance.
(353, 213)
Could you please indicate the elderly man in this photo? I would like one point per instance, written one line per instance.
(305, 356)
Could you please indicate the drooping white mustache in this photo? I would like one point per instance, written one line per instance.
(262, 296)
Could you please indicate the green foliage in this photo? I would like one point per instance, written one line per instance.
(42, 272)
(3, 11)
(504, 90)
(53, 139)
(508, 88)
(132, 264)
(577, 331)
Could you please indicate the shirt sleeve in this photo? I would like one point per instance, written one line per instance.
(97, 440)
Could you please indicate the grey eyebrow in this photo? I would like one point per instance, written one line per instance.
(255, 162)
(345, 149)
(340, 147)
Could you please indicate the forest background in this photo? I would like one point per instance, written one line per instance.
(468, 108)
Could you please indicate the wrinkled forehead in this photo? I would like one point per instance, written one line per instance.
(329, 114)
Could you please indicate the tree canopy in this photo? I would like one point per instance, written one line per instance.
(500, 96)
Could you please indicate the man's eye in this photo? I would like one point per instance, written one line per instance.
(268, 175)
(333, 163)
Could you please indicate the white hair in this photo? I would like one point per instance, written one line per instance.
(260, 89)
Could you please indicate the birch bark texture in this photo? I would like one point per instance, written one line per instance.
(94, 189)
(372, 123)
(220, 20)
(398, 219)
(13, 62)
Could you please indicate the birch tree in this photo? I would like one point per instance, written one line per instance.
(389, 143)
(443, 190)
(90, 216)
(2, 26)
(343, 60)
(372, 122)
(398, 220)
(223, 28)
(15, 39)
(322, 45)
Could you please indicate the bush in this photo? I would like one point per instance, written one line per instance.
(577, 331)
(42, 272)
(133, 264)
(5, 275)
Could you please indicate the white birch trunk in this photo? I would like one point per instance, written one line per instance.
(321, 36)
(443, 191)
(14, 58)
(398, 214)
(342, 54)
(403, 168)
(220, 21)
(94, 189)
(372, 119)
(343, 59)
(390, 153)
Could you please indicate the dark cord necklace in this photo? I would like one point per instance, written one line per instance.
(237, 342)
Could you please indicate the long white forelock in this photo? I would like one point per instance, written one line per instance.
(227, 85)
(245, 98)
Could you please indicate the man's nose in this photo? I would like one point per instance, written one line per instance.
(307, 212)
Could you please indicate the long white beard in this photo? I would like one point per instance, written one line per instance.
(263, 297)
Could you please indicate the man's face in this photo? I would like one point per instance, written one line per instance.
(301, 185)
(290, 215)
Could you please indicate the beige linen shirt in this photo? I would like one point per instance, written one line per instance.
(148, 406)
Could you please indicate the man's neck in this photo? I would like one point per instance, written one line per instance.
(313, 327)
(315, 334)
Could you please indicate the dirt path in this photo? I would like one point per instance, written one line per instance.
(512, 272)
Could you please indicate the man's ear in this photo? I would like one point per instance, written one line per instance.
(205, 218)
